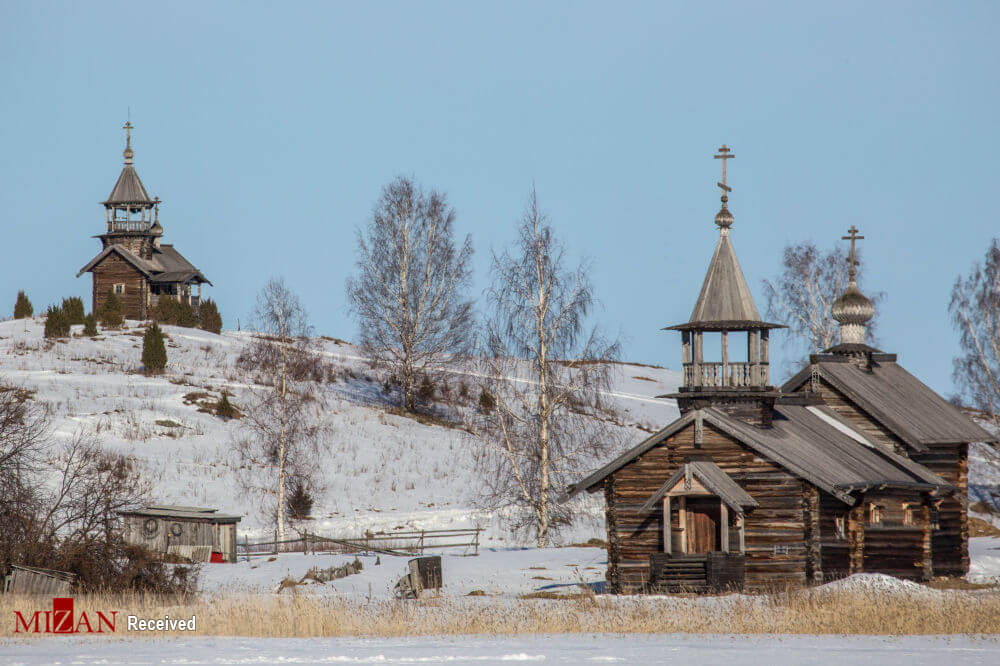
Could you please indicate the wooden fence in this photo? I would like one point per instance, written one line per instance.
(403, 543)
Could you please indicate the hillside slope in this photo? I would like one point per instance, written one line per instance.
(381, 470)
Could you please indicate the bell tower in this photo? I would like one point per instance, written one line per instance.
(724, 313)
(131, 216)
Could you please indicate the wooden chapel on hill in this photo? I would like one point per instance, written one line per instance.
(852, 466)
(133, 262)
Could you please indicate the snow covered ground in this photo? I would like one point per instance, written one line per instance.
(554, 649)
(384, 471)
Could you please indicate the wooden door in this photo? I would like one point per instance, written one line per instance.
(703, 515)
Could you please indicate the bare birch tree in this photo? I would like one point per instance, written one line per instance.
(410, 290)
(975, 313)
(282, 433)
(805, 290)
(543, 421)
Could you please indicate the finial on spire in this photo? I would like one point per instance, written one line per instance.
(852, 310)
(724, 219)
(852, 260)
(128, 127)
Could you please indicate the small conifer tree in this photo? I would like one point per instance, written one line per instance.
(90, 325)
(56, 325)
(210, 319)
(486, 401)
(72, 307)
(111, 314)
(22, 307)
(154, 352)
(300, 502)
(425, 392)
(224, 409)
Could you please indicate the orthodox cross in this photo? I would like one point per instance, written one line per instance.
(852, 261)
(128, 127)
(724, 155)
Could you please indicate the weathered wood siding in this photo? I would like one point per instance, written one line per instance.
(775, 536)
(114, 270)
(835, 552)
(220, 538)
(950, 542)
(892, 547)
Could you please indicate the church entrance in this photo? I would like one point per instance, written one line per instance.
(703, 525)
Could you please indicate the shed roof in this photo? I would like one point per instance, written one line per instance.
(896, 399)
(803, 440)
(182, 513)
(712, 478)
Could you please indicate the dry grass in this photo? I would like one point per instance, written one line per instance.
(979, 527)
(802, 612)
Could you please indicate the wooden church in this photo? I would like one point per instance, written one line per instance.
(853, 465)
(133, 263)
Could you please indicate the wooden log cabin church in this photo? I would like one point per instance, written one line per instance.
(133, 262)
(853, 465)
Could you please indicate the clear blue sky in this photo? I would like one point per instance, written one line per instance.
(269, 128)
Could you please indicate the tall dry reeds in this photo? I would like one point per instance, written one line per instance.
(306, 615)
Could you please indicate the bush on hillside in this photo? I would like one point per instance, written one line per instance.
(90, 325)
(300, 502)
(56, 324)
(111, 314)
(154, 352)
(22, 307)
(72, 307)
(175, 313)
(486, 401)
(224, 409)
(209, 318)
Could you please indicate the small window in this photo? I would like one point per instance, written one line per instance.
(120, 288)
(909, 514)
(780, 549)
(935, 518)
(875, 512)
(840, 527)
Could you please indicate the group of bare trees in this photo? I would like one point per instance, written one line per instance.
(59, 500)
(542, 370)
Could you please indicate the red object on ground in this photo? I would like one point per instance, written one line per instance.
(216, 558)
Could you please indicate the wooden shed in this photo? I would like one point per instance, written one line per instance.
(33, 580)
(195, 533)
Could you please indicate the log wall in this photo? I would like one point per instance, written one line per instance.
(950, 542)
(114, 270)
(776, 549)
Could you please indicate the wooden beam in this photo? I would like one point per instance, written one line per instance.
(667, 533)
(682, 519)
(724, 526)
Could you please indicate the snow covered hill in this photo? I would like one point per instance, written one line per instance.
(382, 470)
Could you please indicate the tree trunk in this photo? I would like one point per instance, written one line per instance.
(282, 445)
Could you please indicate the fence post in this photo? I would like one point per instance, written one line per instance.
(477, 540)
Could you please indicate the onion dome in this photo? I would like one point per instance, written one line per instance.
(853, 310)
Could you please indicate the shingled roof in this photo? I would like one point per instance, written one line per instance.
(810, 442)
(128, 189)
(167, 265)
(896, 399)
(725, 301)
